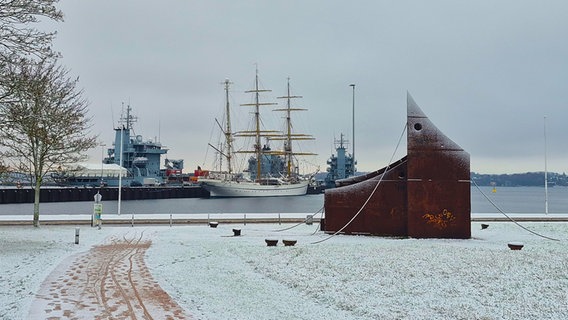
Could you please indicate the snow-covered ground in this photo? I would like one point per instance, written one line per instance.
(214, 275)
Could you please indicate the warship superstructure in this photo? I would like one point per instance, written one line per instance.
(340, 165)
(131, 161)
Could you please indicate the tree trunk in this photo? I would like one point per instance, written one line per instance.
(36, 202)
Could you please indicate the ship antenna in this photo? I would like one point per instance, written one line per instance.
(121, 114)
(128, 124)
(128, 119)
(112, 113)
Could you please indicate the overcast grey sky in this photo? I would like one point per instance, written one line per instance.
(485, 72)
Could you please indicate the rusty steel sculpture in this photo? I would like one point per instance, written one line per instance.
(426, 194)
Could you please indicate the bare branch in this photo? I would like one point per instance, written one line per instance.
(17, 35)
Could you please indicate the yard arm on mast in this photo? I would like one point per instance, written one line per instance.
(257, 132)
(288, 137)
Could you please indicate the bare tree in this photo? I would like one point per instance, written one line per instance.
(17, 36)
(44, 123)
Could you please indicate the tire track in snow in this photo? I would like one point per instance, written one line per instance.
(110, 281)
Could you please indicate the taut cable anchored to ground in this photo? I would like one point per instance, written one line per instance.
(508, 217)
(320, 210)
(370, 195)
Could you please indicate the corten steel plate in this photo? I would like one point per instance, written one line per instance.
(424, 195)
(385, 211)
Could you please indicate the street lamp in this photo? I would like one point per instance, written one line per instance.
(353, 136)
(120, 172)
(545, 171)
(102, 161)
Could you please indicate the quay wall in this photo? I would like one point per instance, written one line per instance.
(26, 195)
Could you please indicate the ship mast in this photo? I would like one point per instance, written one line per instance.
(257, 133)
(122, 136)
(227, 151)
(289, 136)
(257, 147)
(128, 119)
(228, 133)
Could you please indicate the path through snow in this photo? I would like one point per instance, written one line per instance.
(110, 281)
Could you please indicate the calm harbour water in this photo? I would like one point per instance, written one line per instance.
(509, 199)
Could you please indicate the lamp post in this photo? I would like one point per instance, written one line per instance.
(102, 161)
(120, 172)
(353, 136)
(545, 171)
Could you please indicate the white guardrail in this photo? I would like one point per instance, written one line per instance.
(244, 218)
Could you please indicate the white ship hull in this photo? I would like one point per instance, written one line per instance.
(223, 188)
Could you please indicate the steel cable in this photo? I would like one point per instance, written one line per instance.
(370, 196)
(508, 217)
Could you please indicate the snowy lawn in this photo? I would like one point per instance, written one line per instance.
(214, 275)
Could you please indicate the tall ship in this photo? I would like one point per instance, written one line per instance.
(131, 161)
(270, 173)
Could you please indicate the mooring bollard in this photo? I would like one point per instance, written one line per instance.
(289, 243)
(236, 232)
(76, 235)
(271, 242)
(515, 245)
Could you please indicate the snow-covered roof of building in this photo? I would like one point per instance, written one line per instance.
(92, 169)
